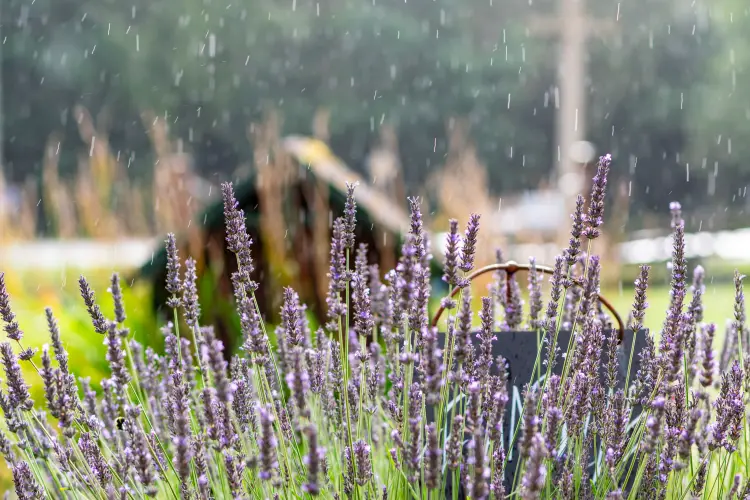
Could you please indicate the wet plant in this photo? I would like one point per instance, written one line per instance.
(378, 403)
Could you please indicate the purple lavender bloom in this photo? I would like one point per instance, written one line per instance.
(201, 466)
(96, 462)
(18, 390)
(173, 285)
(550, 321)
(486, 337)
(470, 244)
(478, 482)
(116, 358)
(298, 380)
(531, 422)
(676, 211)
(739, 308)
(27, 487)
(116, 290)
(574, 246)
(234, 469)
(730, 410)
(11, 325)
(498, 470)
(363, 319)
(639, 302)
(181, 433)
(452, 241)
(653, 425)
(267, 444)
(350, 215)
(313, 461)
(337, 275)
(454, 446)
(190, 295)
(218, 365)
(433, 458)
(364, 462)
(708, 365)
(698, 289)
(97, 318)
(513, 306)
(535, 296)
(595, 215)
(536, 472)
(291, 319)
(238, 240)
(432, 366)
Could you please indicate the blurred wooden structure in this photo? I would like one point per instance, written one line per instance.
(297, 188)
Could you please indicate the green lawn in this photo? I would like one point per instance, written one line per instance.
(718, 304)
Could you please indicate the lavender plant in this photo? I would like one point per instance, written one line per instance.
(374, 404)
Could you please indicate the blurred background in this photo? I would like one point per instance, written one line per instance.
(119, 120)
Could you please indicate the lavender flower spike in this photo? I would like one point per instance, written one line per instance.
(97, 318)
(574, 246)
(470, 244)
(190, 295)
(238, 240)
(639, 302)
(313, 461)
(116, 290)
(173, 285)
(11, 325)
(350, 215)
(17, 388)
(452, 241)
(595, 215)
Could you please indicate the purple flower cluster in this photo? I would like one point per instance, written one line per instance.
(386, 404)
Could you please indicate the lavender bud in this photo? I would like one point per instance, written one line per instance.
(235, 469)
(454, 447)
(116, 290)
(190, 295)
(11, 325)
(238, 240)
(594, 217)
(97, 318)
(470, 244)
(536, 472)
(313, 461)
(364, 462)
(639, 302)
(350, 215)
(27, 487)
(535, 296)
(173, 285)
(96, 462)
(433, 458)
(478, 487)
(18, 390)
(708, 364)
(267, 444)
(452, 241)
(574, 246)
(116, 358)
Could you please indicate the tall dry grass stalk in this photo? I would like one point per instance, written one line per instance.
(275, 172)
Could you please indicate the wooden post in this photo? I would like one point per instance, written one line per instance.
(573, 28)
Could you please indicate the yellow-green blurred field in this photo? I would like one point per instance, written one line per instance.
(31, 292)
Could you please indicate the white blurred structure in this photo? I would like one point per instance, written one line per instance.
(132, 253)
(77, 254)
(725, 245)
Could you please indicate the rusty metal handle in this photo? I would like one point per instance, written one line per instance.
(511, 268)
